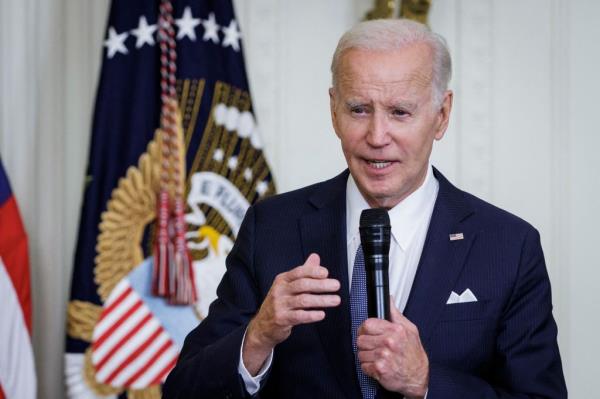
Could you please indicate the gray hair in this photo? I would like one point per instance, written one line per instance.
(394, 34)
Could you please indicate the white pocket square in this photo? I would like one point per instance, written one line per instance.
(466, 296)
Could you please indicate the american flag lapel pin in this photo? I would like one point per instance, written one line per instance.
(456, 236)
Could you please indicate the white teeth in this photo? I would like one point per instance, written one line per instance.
(379, 164)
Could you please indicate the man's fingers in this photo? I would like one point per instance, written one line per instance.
(374, 326)
(372, 356)
(370, 369)
(313, 259)
(306, 284)
(370, 363)
(305, 316)
(395, 314)
(368, 342)
(310, 270)
(399, 319)
(308, 301)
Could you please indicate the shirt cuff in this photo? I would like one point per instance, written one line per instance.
(253, 383)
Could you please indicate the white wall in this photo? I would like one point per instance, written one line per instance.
(577, 152)
(523, 133)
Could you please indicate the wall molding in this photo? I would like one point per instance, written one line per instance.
(264, 37)
(560, 172)
(474, 56)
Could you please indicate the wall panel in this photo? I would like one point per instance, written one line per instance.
(581, 143)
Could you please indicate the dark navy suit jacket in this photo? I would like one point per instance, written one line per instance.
(502, 346)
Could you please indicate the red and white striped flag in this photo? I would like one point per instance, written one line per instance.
(17, 369)
(130, 347)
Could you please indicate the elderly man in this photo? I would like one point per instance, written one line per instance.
(471, 312)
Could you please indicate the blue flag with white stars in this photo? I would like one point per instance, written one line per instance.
(120, 338)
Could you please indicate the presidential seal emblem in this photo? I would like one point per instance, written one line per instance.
(154, 235)
(134, 336)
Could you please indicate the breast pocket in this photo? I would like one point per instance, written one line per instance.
(466, 311)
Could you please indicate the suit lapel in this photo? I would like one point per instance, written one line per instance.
(442, 260)
(324, 232)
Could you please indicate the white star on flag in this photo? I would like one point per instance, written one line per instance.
(247, 174)
(262, 187)
(187, 25)
(232, 36)
(218, 155)
(144, 33)
(232, 163)
(115, 42)
(211, 29)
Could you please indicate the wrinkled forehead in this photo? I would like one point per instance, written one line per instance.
(410, 66)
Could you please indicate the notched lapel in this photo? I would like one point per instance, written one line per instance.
(324, 232)
(442, 259)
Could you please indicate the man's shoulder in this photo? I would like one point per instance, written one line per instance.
(298, 201)
(484, 213)
(494, 214)
(490, 217)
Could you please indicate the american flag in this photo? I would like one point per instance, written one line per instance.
(17, 368)
(130, 347)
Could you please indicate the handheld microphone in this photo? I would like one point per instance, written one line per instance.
(375, 240)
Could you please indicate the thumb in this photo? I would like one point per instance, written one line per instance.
(396, 316)
(313, 260)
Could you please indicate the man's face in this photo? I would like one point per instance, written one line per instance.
(383, 113)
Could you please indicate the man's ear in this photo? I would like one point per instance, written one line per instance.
(332, 109)
(444, 115)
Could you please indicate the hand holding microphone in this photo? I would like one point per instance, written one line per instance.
(389, 346)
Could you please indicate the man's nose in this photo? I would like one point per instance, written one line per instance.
(378, 134)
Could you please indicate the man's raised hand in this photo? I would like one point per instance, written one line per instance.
(296, 297)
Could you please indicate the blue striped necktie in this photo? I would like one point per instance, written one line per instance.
(358, 312)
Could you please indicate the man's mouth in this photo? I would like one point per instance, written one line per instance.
(379, 164)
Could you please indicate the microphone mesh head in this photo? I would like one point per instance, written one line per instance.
(374, 216)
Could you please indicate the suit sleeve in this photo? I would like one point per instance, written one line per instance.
(528, 363)
(208, 363)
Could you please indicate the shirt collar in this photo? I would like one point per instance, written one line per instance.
(404, 217)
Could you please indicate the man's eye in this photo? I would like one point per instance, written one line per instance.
(400, 113)
(358, 110)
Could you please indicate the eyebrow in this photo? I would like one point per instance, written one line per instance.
(407, 105)
(356, 103)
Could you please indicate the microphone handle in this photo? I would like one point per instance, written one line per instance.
(378, 294)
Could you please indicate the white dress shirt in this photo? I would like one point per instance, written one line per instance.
(410, 222)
